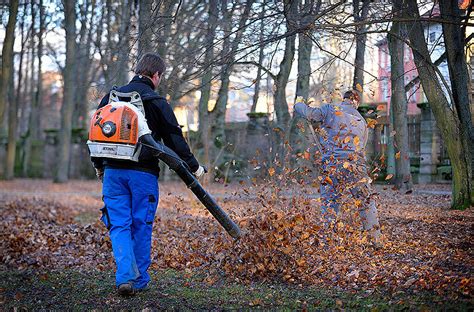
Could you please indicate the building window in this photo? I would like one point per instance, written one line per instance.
(432, 37)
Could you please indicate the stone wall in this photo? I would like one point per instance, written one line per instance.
(254, 145)
(430, 146)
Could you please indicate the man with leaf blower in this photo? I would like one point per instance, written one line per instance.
(343, 137)
(130, 173)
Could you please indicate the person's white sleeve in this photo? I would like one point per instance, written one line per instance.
(310, 113)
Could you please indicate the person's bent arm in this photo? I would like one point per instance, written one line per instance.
(172, 135)
(309, 113)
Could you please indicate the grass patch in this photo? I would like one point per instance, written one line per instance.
(173, 290)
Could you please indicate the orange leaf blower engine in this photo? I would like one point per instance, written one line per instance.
(115, 128)
(119, 131)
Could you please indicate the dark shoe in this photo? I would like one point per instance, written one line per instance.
(144, 289)
(126, 289)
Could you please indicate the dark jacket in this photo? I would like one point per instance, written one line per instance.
(163, 125)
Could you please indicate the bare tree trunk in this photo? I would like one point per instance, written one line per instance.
(360, 15)
(220, 109)
(109, 74)
(83, 65)
(206, 80)
(296, 137)
(25, 106)
(164, 31)
(13, 109)
(124, 44)
(218, 129)
(447, 119)
(260, 61)
(279, 98)
(398, 102)
(37, 102)
(390, 144)
(67, 108)
(145, 35)
(305, 45)
(454, 42)
(7, 60)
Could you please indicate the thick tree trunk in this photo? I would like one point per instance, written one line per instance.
(219, 112)
(454, 43)
(32, 120)
(163, 40)
(12, 131)
(124, 44)
(67, 108)
(279, 98)
(390, 145)
(360, 15)
(305, 45)
(299, 139)
(34, 134)
(206, 80)
(7, 61)
(399, 104)
(145, 34)
(217, 115)
(260, 61)
(446, 118)
(83, 66)
(15, 102)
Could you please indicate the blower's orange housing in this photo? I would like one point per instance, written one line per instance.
(114, 124)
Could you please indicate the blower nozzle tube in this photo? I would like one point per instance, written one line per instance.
(170, 158)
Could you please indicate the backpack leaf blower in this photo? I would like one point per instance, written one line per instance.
(119, 130)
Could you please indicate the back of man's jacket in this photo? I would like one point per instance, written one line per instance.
(163, 124)
(343, 129)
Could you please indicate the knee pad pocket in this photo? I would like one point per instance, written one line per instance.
(150, 214)
(105, 217)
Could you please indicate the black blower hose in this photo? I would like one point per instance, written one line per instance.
(169, 157)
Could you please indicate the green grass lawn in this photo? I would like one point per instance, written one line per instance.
(172, 290)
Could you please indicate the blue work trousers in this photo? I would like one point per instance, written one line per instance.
(131, 199)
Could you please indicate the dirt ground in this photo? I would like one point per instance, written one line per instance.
(52, 229)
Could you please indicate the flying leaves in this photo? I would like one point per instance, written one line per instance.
(271, 171)
(371, 123)
(356, 141)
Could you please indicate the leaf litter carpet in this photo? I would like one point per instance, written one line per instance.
(45, 226)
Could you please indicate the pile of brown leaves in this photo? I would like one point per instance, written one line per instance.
(428, 247)
(42, 233)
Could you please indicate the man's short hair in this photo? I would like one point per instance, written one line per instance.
(352, 95)
(149, 64)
